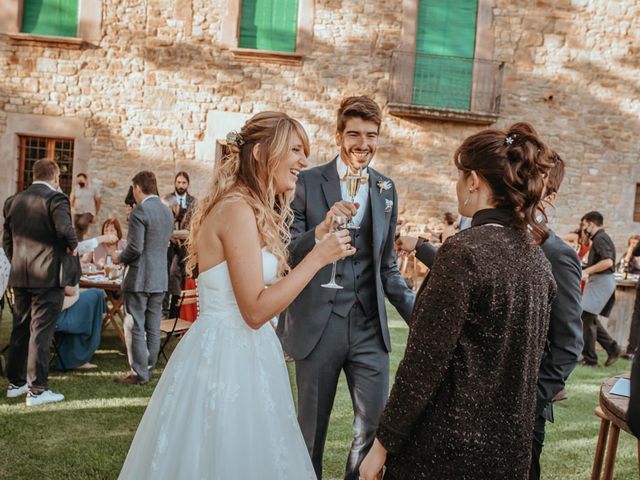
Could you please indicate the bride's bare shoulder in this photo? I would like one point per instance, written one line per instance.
(232, 213)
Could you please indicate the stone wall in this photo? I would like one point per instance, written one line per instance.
(153, 91)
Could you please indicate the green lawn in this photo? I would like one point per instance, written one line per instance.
(87, 435)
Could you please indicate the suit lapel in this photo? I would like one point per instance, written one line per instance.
(331, 184)
(379, 218)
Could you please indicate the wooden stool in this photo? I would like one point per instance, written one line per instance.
(612, 414)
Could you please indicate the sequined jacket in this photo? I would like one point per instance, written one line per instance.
(463, 402)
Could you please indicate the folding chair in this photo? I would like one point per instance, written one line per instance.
(177, 327)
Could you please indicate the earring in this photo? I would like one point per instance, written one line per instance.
(466, 202)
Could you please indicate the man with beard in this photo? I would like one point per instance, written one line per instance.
(327, 330)
(181, 204)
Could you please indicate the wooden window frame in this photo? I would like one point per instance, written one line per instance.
(51, 142)
(89, 26)
(31, 125)
(304, 36)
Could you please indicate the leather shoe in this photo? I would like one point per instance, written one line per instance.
(130, 379)
(612, 358)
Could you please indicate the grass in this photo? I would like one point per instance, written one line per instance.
(87, 436)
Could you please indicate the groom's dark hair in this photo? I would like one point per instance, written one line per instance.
(363, 107)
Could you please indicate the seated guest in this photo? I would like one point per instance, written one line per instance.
(78, 327)
(464, 397)
(111, 227)
(630, 263)
(5, 266)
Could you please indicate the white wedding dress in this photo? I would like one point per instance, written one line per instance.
(223, 407)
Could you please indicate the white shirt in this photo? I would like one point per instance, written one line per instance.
(363, 192)
(40, 182)
(182, 200)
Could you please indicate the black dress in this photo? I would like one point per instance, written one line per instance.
(462, 406)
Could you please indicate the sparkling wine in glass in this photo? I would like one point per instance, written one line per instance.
(337, 221)
(353, 180)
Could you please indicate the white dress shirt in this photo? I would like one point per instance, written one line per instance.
(363, 192)
(182, 200)
(40, 182)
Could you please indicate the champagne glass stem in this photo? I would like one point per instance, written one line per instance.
(333, 273)
(332, 283)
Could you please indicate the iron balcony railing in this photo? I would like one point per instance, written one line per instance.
(439, 82)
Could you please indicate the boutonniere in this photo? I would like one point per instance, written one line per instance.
(388, 205)
(383, 185)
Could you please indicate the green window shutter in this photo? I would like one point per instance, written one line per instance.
(447, 34)
(50, 17)
(269, 25)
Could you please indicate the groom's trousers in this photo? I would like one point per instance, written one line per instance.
(353, 344)
(144, 331)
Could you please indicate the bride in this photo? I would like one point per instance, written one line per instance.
(223, 407)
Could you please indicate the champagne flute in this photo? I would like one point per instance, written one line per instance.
(336, 221)
(353, 181)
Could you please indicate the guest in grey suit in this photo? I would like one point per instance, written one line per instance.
(145, 283)
(327, 330)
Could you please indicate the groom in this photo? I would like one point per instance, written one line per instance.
(327, 330)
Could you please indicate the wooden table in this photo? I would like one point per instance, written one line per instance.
(619, 322)
(613, 417)
(114, 304)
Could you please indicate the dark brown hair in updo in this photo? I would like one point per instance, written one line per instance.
(514, 163)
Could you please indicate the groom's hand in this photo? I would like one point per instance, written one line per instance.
(341, 208)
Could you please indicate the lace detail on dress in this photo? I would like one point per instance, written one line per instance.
(223, 408)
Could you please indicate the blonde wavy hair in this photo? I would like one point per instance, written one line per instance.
(242, 175)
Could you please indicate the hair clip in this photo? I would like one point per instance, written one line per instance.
(509, 140)
(235, 138)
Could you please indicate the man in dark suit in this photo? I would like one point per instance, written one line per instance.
(564, 338)
(38, 233)
(145, 283)
(182, 204)
(329, 330)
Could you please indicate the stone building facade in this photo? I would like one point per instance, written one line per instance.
(156, 84)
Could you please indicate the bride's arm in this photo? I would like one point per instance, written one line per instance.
(241, 242)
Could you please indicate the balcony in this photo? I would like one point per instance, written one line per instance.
(445, 88)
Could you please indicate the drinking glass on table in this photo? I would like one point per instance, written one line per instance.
(337, 222)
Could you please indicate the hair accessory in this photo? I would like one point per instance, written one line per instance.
(235, 138)
(509, 140)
